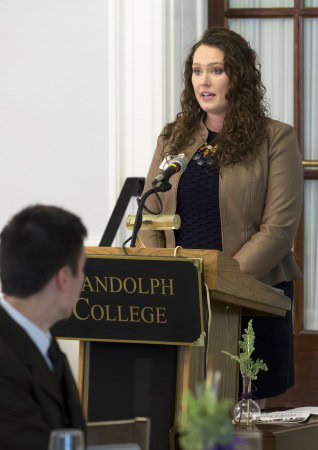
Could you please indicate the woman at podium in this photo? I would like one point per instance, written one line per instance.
(241, 192)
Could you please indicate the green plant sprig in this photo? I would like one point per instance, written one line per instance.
(205, 420)
(248, 367)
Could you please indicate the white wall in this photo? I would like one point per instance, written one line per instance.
(53, 107)
(85, 88)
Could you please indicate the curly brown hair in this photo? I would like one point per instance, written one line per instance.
(244, 126)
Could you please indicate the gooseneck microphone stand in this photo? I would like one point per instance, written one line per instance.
(162, 187)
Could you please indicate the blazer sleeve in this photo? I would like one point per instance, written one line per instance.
(150, 238)
(283, 205)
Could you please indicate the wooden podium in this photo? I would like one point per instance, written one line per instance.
(174, 369)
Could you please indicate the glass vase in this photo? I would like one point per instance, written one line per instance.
(246, 411)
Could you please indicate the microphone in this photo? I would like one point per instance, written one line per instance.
(176, 165)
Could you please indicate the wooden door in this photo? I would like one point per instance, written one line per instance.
(304, 16)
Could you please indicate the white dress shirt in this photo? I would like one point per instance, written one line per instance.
(40, 338)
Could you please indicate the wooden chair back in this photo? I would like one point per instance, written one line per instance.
(133, 431)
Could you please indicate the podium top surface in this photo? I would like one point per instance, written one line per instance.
(222, 275)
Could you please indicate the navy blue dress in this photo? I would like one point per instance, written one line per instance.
(198, 207)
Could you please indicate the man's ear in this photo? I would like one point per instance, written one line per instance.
(62, 277)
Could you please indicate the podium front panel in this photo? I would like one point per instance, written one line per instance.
(131, 380)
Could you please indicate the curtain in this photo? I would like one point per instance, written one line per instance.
(311, 3)
(311, 186)
(311, 88)
(272, 39)
(311, 256)
(263, 3)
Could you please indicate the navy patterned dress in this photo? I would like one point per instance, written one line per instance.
(198, 207)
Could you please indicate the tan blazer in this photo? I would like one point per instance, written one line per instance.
(260, 204)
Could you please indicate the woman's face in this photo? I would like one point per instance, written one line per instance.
(210, 82)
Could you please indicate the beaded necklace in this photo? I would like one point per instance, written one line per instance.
(205, 154)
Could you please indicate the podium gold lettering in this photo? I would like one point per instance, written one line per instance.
(100, 308)
(134, 311)
(87, 284)
(168, 286)
(161, 313)
(108, 318)
(112, 285)
(151, 314)
(154, 283)
(140, 291)
(132, 282)
(119, 307)
(100, 283)
(75, 309)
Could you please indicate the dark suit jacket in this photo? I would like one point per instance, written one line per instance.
(31, 400)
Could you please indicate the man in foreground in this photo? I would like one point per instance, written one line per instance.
(42, 271)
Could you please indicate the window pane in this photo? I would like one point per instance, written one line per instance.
(311, 256)
(311, 3)
(262, 3)
(311, 89)
(272, 39)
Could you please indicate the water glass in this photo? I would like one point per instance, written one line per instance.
(66, 440)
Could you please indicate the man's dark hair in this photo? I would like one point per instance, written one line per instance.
(35, 244)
